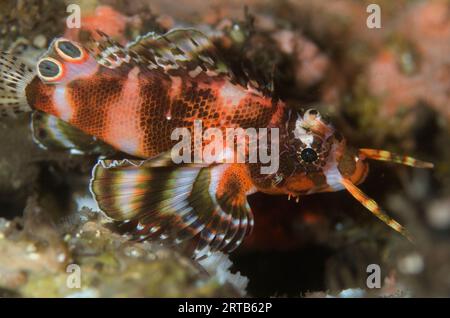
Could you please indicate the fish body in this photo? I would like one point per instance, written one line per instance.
(133, 98)
(135, 110)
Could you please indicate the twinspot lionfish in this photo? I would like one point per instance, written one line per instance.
(130, 99)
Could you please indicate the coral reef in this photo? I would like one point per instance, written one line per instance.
(384, 88)
(109, 265)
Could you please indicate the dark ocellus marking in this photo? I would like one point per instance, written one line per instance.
(69, 49)
(48, 68)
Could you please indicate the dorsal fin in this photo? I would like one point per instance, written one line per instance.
(108, 52)
(186, 49)
(192, 51)
(179, 52)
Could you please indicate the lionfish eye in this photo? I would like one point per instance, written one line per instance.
(309, 155)
(312, 112)
(49, 69)
(69, 51)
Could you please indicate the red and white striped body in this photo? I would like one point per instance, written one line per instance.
(135, 109)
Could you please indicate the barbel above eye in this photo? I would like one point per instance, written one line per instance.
(49, 69)
(69, 50)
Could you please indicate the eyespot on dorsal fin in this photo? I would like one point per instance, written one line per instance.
(52, 133)
(50, 69)
(70, 51)
(158, 200)
(64, 61)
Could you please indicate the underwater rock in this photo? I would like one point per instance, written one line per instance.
(310, 64)
(371, 81)
(414, 68)
(108, 264)
(27, 18)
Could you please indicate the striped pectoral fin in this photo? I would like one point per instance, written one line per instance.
(241, 223)
(373, 207)
(156, 199)
(234, 218)
(55, 134)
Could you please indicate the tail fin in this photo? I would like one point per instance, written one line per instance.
(15, 75)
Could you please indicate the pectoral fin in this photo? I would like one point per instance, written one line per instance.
(52, 133)
(175, 203)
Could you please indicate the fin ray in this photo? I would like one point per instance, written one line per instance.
(373, 207)
(384, 155)
(187, 49)
(15, 75)
(149, 195)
